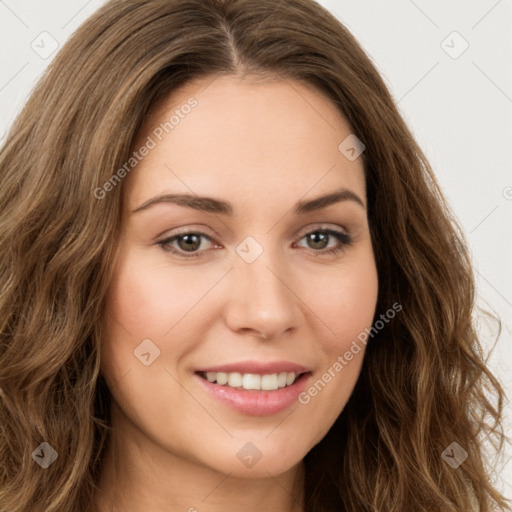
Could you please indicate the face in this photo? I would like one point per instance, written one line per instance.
(257, 282)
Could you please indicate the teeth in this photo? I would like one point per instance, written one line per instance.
(269, 382)
(234, 380)
(251, 381)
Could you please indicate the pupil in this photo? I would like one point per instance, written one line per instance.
(323, 239)
(192, 242)
(195, 242)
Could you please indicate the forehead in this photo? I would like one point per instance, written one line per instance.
(244, 138)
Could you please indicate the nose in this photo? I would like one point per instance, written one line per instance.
(262, 300)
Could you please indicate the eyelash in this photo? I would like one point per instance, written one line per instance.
(344, 239)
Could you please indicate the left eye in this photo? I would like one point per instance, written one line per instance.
(190, 242)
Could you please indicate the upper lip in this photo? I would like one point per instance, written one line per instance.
(258, 368)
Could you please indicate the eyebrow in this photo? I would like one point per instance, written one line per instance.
(212, 205)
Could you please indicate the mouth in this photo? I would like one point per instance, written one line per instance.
(253, 381)
(254, 394)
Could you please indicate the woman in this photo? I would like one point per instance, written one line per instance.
(231, 280)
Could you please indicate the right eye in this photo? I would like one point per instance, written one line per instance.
(188, 243)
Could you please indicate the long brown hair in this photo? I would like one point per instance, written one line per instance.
(424, 384)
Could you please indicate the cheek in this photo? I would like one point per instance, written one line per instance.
(148, 298)
(138, 308)
(346, 309)
(137, 299)
(144, 302)
(345, 301)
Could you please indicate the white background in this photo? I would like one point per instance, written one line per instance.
(459, 110)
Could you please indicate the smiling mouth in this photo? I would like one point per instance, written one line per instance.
(252, 381)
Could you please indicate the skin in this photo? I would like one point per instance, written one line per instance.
(262, 145)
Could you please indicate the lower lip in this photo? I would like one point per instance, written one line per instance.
(257, 403)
